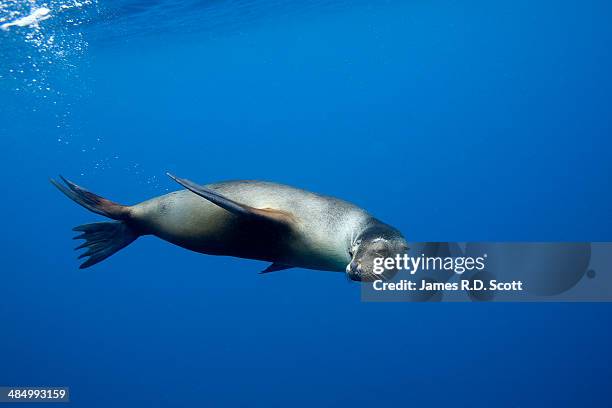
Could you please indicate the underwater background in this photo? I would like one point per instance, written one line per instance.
(452, 121)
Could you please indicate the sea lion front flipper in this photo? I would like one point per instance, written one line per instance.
(263, 214)
(274, 267)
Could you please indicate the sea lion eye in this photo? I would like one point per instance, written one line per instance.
(354, 247)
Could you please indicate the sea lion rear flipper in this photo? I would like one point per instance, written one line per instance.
(263, 214)
(274, 267)
(91, 201)
(102, 239)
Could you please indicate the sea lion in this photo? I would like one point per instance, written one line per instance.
(286, 226)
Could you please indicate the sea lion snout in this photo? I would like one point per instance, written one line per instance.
(374, 246)
(354, 270)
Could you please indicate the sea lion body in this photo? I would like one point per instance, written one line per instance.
(322, 233)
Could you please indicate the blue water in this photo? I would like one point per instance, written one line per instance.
(453, 121)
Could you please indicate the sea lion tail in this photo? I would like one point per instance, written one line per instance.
(102, 239)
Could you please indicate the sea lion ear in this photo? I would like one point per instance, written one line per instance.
(241, 210)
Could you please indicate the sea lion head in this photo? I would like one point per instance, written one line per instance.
(376, 241)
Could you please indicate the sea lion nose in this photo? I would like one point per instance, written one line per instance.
(354, 271)
(355, 267)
